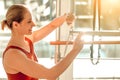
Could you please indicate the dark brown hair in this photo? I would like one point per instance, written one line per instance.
(15, 13)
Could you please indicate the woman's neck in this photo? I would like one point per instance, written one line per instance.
(17, 39)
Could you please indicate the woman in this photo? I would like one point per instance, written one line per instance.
(19, 59)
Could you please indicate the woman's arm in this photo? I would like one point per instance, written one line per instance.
(17, 61)
(43, 32)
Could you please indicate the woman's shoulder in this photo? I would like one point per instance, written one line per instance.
(11, 52)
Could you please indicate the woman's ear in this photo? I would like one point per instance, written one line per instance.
(15, 24)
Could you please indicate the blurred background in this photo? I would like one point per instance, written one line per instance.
(95, 61)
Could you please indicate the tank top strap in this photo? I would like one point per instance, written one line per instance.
(28, 54)
(31, 48)
(16, 47)
(30, 44)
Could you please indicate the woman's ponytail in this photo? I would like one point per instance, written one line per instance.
(4, 23)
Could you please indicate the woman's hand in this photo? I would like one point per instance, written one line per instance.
(69, 19)
(78, 43)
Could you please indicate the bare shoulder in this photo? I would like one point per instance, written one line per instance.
(13, 54)
(12, 58)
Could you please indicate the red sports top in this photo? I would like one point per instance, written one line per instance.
(19, 75)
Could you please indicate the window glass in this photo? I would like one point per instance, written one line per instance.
(99, 19)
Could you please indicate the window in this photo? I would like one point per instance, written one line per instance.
(99, 19)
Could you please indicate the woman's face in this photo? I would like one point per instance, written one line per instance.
(26, 24)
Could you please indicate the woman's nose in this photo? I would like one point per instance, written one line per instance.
(33, 24)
